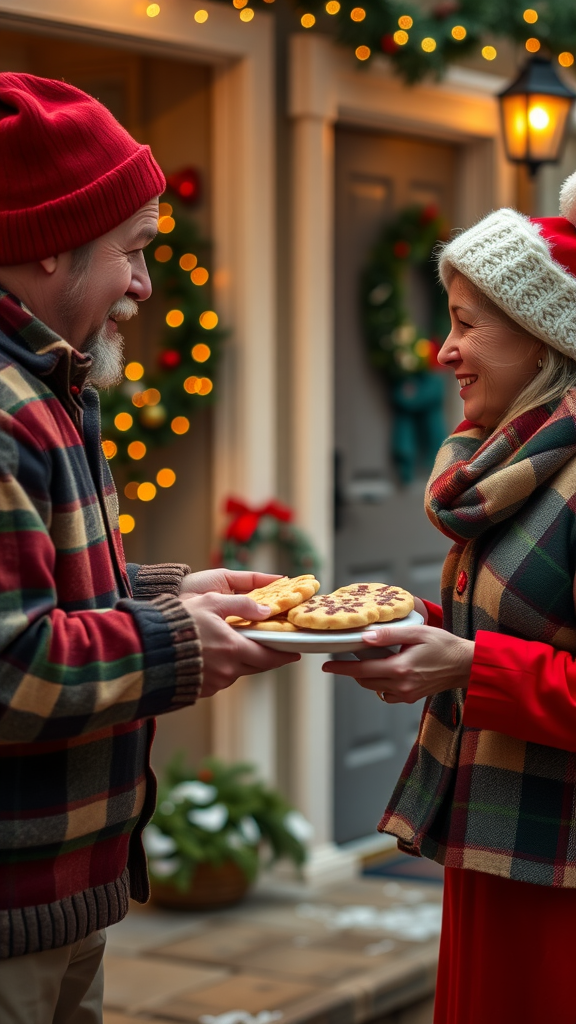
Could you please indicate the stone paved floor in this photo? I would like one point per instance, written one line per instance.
(364, 950)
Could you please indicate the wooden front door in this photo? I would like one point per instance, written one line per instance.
(382, 531)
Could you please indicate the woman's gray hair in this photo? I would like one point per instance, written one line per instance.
(551, 383)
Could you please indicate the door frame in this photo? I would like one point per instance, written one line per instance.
(326, 87)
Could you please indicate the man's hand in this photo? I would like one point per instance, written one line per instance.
(224, 581)
(430, 660)
(225, 652)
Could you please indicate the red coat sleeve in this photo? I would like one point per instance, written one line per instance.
(434, 614)
(524, 689)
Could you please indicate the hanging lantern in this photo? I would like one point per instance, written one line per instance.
(535, 109)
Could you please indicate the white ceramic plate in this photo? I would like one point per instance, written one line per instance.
(328, 642)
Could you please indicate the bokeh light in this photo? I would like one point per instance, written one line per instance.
(153, 10)
(530, 15)
(126, 523)
(163, 253)
(209, 319)
(109, 449)
(191, 385)
(428, 44)
(146, 491)
(362, 52)
(131, 490)
(166, 225)
(136, 450)
(307, 20)
(180, 425)
(175, 318)
(188, 261)
(332, 7)
(165, 477)
(165, 209)
(532, 45)
(134, 371)
(405, 21)
(199, 276)
(489, 52)
(357, 14)
(151, 396)
(247, 14)
(138, 399)
(401, 37)
(123, 421)
(566, 59)
(201, 16)
(205, 386)
(459, 32)
(200, 352)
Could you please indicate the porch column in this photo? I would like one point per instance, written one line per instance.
(313, 114)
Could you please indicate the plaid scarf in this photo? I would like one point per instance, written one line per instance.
(471, 798)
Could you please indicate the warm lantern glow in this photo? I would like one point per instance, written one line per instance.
(489, 52)
(362, 52)
(136, 450)
(405, 21)
(134, 371)
(428, 44)
(459, 32)
(566, 59)
(153, 10)
(175, 318)
(332, 7)
(401, 37)
(247, 14)
(165, 477)
(123, 421)
(166, 225)
(180, 425)
(109, 449)
(201, 17)
(357, 14)
(126, 523)
(131, 490)
(530, 15)
(146, 491)
(535, 111)
(532, 45)
(163, 253)
(188, 261)
(307, 20)
(199, 276)
(209, 319)
(200, 353)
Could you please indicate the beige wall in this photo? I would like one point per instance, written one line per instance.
(165, 103)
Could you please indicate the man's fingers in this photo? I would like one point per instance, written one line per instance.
(235, 604)
(377, 668)
(242, 582)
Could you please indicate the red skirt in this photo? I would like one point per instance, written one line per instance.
(507, 952)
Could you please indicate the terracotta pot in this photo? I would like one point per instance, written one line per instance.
(211, 887)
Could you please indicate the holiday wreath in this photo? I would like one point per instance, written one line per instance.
(153, 406)
(269, 524)
(398, 347)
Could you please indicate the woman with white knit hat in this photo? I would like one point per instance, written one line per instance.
(489, 789)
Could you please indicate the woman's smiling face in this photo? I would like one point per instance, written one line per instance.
(493, 359)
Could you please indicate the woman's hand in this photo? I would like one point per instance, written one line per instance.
(429, 661)
(224, 581)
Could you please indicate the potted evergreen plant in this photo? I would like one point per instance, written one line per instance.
(211, 831)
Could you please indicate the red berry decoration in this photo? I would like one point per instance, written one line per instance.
(186, 185)
(401, 250)
(169, 359)
(388, 44)
(429, 213)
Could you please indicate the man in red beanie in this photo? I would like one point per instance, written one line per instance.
(90, 649)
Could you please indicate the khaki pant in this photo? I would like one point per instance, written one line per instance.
(60, 986)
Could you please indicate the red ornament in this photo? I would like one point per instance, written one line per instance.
(247, 517)
(169, 359)
(429, 213)
(388, 44)
(186, 185)
(462, 582)
(401, 250)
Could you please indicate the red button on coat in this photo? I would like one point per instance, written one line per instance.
(462, 582)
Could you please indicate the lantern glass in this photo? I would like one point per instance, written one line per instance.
(534, 127)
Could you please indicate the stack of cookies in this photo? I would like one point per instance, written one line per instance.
(296, 606)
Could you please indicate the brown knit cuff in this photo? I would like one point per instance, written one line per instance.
(187, 648)
(165, 578)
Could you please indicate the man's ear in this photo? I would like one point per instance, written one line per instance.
(49, 264)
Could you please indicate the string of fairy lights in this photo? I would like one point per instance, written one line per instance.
(150, 410)
(437, 34)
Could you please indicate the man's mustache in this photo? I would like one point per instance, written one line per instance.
(123, 309)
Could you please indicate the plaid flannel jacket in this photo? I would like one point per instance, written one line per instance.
(473, 798)
(84, 666)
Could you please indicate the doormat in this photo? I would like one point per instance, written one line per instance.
(412, 869)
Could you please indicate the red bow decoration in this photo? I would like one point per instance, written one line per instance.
(246, 519)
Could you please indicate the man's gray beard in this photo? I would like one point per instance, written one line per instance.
(107, 347)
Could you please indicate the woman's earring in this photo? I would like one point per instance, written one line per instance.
(539, 364)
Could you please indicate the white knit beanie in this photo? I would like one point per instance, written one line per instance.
(526, 266)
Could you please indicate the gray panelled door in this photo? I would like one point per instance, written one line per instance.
(382, 531)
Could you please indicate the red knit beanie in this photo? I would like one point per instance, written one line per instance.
(68, 171)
